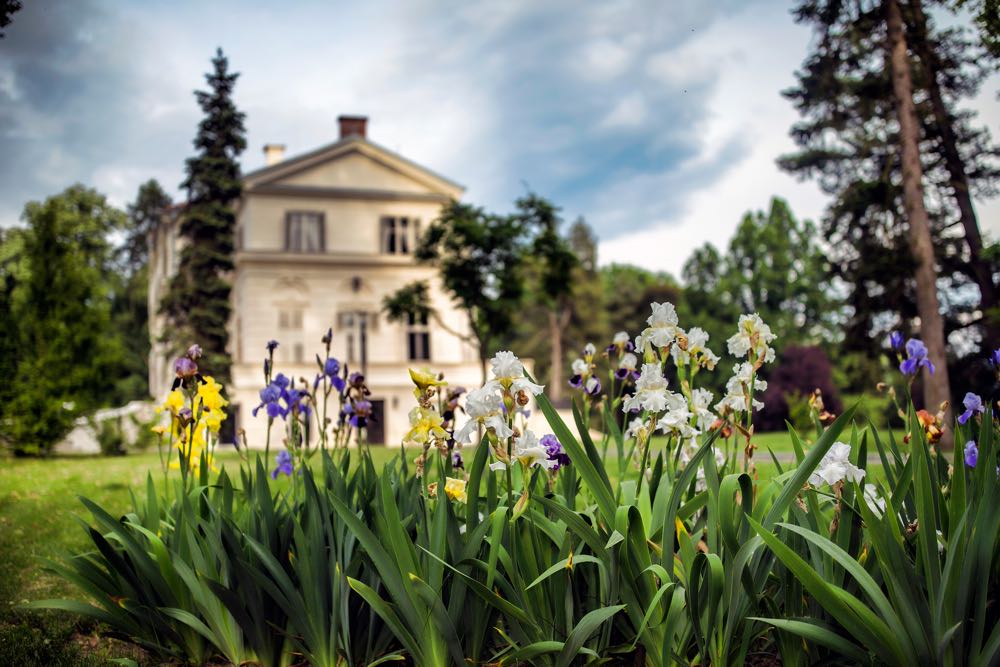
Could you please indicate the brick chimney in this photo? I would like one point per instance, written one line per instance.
(351, 126)
(273, 154)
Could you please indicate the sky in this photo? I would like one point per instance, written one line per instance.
(657, 121)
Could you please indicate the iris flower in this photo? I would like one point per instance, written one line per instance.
(483, 406)
(973, 404)
(555, 451)
(650, 391)
(836, 467)
(916, 356)
(284, 460)
(752, 334)
(971, 454)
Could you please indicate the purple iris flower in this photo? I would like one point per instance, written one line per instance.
(555, 451)
(593, 386)
(576, 381)
(358, 413)
(626, 347)
(971, 454)
(269, 397)
(456, 461)
(973, 403)
(332, 370)
(281, 380)
(896, 340)
(194, 352)
(296, 401)
(356, 380)
(185, 368)
(916, 353)
(995, 358)
(272, 345)
(284, 460)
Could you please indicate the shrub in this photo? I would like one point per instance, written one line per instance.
(802, 370)
(110, 436)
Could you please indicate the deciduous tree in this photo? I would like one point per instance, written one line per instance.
(68, 352)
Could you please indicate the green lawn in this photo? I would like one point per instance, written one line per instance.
(39, 518)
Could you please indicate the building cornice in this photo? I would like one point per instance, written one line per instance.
(328, 259)
(321, 192)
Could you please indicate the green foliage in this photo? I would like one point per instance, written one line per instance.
(66, 356)
(197, 301)
(479, 256)
(130, 308)
(110, 437)
(986, 14)
(627, 292)
(774, 267)
(411, 299)
(699, 564)
(7, 10)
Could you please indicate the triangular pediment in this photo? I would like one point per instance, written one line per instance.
(354, 164)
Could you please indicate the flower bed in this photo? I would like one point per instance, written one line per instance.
(527, 553)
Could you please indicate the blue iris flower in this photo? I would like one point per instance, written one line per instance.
(284, 460)
(971, 454)
(916, 357)
(973, 403)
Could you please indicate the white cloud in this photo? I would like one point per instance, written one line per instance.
(630, 111)
(744, 106)
(603, 59)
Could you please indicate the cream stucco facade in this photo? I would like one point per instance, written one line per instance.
(322, 238)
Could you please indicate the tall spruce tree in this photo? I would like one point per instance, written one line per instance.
(850, 142)
(198, 300)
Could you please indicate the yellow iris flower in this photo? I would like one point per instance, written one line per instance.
(425, 426)
(424, 379)
(174, 402)
(455, 489)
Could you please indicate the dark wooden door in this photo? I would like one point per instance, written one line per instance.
(376, 425)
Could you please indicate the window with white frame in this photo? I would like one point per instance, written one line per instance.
(290, 319)
(305, 231)
(399, 235)
(418, 338)
(290, 333)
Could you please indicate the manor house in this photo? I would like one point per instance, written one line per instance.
(321, 239)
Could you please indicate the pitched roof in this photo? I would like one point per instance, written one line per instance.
(386, 157)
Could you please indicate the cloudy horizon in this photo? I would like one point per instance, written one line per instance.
(658, 124)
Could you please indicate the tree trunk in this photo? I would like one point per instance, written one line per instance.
(555, 388)
(936, 387)
(959, 181)
(558, 320)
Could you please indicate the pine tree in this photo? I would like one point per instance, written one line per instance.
(198, 301)
(850, 142)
